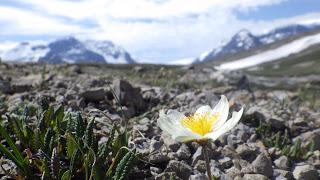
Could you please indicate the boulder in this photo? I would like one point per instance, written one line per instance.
(129, 95)
(263, 165)
(94, 95)
(305, 171)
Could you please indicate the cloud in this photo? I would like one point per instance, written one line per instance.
(152, 30)
(24, 22)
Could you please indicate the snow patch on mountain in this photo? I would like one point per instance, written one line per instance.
(272, 55)
(25, 52)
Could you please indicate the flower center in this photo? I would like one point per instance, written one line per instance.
(200, 123)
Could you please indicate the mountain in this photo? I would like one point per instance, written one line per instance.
(109, 51)
(289, 49)
(244, 40)
(68, 50)
(24, 52)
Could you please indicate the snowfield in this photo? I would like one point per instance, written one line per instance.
(272, 55)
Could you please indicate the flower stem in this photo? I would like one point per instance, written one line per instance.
(206, 157)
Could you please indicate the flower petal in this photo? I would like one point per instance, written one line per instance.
(223, 109)
(203, 109)
(226, 126)
(186, 138)
(170, 123)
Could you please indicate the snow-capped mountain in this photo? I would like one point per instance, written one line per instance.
(111, 52)
(290, 48)
(24, 52)
(245, 40)
(68, 50)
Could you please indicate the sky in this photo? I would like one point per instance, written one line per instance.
(152, 31)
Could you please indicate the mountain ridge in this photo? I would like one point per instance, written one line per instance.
(69, 50)
(244, 40)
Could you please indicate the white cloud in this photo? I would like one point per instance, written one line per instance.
(152, 30)
(25, 22)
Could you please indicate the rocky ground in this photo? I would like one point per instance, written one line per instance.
(278, 136)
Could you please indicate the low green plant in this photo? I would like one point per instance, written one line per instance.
(310, 96)
(54, 144)
(282, 141)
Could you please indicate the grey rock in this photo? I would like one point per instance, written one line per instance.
(263, 165)
(216, 172)
(282, 162)
(233, 140)
(226, 162)
(183, 152)
(129, 112)
(169, 142)
(128, 95)
(305, 171)
(167, 175)
(232, 172)
(254, 177)
(20, 87)
(158, 158)
(198, 176)
(5, 86)
(94, 95)
(310, 136)
(81, 103)
(253, 116)
(142, 146)
(75, 69)
(155, 171)
(246, 152)
(277, 123)
(199, 154)
(200, 166)
(182, 169)
(155, 145)
(282, 174)
(246, 167)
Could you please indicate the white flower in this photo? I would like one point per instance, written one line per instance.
(205, 123)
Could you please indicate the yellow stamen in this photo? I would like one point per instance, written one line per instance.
(200, 123)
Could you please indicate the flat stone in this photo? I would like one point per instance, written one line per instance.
(94, 95)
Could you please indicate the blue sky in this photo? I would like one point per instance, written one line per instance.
(153, 31)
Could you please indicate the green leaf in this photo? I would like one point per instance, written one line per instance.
(124, 166)
(12, 145)
(71, 145)
(80, 128)
(16, 156)
(47, 138)
(74, 161)
(89, 133)
(66, 175)
(59, 115)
